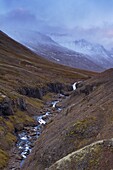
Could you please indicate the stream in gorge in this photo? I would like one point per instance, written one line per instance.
(28, 136)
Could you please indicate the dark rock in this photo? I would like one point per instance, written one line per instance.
(32, 92)
(59, 87)
(79, 85)
(83, 89)
(6, 107)
(40, 92)
(87, 89)
(55, 87)
(21, 104)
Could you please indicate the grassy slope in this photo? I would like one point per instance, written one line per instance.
(20, 67)
(86, 118)
(96, 156)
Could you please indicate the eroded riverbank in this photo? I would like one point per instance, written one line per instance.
(27, 137)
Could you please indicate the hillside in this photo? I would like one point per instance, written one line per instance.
(95, 52)
(81, 136)
(44, 45)
(27, 66)
(27, 82)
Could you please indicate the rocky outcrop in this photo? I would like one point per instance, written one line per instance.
(82, 88)
(19, 103)
(87, 116)
(87, 89)
(6, 108)
(59, 87)
(90, 157)
(39, 92)
(9, 106)
(32, 92)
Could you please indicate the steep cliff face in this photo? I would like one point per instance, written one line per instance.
(13, 118)
(8, 106)
(87, 117)
(42, 91)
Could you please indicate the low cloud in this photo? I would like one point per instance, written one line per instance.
(90, 19)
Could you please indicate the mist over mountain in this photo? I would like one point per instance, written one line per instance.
(45, 46)
(56, 85)
(72, 17)
(94, 51)
(64, 49)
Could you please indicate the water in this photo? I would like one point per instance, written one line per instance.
(75, 85)
(54, 103)
(29, 135)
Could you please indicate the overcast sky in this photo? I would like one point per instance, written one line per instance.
(92, 19)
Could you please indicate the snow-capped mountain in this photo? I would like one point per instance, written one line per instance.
(48, 48)
(95, 52)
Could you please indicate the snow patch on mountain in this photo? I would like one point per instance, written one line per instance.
(45, 46)
(94, 51)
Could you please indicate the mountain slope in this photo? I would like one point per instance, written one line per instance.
(94, 52)
(93, 156)
(97, 52)
(46, 47)
(87, 117)
(25, 79)
(21, 60)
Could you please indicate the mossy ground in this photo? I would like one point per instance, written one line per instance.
(35, 102)
(8, 125)
(81, 128)
(48, 96)
(3, 159)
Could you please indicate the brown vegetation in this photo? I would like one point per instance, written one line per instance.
(87, 117)
(21, 69)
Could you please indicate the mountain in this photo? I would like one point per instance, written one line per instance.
(95, 52)
(81, 137)
(48, 48)
(27, 84)
(78, 134)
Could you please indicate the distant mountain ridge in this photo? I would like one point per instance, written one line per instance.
(48, 48)
(97, 52)
(94, 51)
(85, 124)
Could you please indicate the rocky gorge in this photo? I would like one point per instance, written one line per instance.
(27, 137)
(49, 121)
(81, 136)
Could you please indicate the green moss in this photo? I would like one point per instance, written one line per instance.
(1, 99)
(35, 102)
(47, 97)
(83, 124)
(83, 128)
(21, 118)
(94, 157)
(3, 159)
(2, 131)
(7, 141)
(9, 126)
(10, 139)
